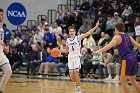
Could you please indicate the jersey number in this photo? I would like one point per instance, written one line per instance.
(72, 48)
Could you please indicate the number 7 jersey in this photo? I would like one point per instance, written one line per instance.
(74, 45)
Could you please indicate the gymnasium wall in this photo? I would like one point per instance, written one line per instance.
(33, 8)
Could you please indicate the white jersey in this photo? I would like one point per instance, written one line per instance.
(74, 45)
(1, 38)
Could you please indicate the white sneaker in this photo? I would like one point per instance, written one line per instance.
(116, 79)
(40, 76)
(109, 78)
(46, 76)
(77, 89)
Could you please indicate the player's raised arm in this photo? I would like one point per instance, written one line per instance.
(135, 43)
(90, 31)
(114, 42)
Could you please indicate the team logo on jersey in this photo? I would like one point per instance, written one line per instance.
(16, 14)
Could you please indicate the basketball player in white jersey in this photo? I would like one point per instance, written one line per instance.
(4, 62)
(73, 48)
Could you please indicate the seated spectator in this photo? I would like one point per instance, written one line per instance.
(84, 7)
(62, 64)
(137, 28)
(96, 60)
(102, 38)
(50, 62)
(126, 11)
(109, 29)
(42, 25)
(38, 36)
(57, 29)
(102, 21)
(77, 6)
(129, 22)
(106, 40)
(7, 33)
(86, 61)
(115, 20)
(48, 38)
(25, 54)
(84, 28)
(115, 65)
(93, 9)
(13, 40)
(89, 42)
(35, 59)
(59, 40)
(117, 9)
(107, 58)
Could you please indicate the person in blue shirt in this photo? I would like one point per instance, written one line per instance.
(50, 62)
(48, 38)
(7, 33)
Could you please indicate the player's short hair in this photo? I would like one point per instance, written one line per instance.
(120, 27)
(71, 27)
(1, 10)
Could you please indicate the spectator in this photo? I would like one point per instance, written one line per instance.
(63, 63)
(57, 29)
(35, 59)
(13, 40)
(102, 38)
(115, 20)
(107, 58)
(86, 61)
(109, 28)
(42, 25)
(48, 38)
(85, 6)
(77, 6)
(84, 28)
(89, 42)
(117, 9)
(7, 33)
(38, 36)
(115, 65)
(137, 28)
(129, 22)
(126, 11)
(96, 60)
(50, 62)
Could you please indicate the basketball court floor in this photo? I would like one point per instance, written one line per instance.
(33, 84)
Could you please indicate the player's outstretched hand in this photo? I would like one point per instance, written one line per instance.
(95, 53)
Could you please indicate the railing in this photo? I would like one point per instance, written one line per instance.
(52, 16)
(39, 17)
(31, 23)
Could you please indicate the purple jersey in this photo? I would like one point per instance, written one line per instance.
(129, 65)
(126, 47)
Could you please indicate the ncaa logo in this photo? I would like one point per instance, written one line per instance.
(16, 14)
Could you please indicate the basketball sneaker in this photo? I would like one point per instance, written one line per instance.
(78, 90)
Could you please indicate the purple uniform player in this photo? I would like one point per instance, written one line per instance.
(129, 61)
(125, 44)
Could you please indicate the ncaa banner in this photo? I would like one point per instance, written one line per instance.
(16, 13)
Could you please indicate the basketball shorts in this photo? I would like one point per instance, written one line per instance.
(129, 66)
(3, 59)
(74, 63)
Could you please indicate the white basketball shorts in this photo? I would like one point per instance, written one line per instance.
(74, 63)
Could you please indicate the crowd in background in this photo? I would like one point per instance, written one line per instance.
(31, 47)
